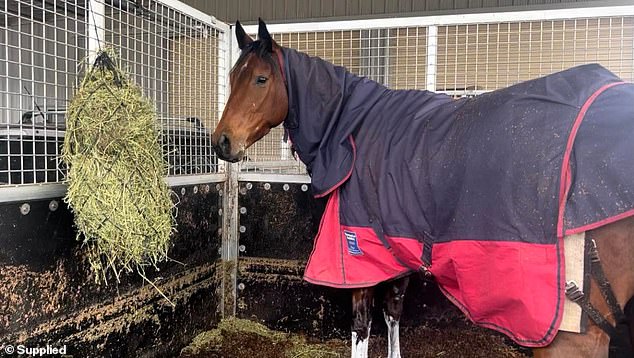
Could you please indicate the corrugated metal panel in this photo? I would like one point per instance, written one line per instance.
(247, 11)
(340, 7)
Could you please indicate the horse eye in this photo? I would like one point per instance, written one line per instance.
(260, 80)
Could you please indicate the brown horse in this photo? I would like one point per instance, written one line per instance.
(259, 102)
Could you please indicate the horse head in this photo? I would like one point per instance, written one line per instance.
(258, 99)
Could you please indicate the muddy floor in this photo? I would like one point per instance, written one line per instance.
(238, 338)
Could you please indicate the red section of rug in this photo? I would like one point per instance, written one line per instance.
(513, 287)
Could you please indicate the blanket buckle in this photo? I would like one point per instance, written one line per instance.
(425, 272)
(573, 292)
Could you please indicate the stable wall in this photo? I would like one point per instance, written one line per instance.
(248, 11)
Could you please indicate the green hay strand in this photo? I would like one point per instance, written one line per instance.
(116, 188)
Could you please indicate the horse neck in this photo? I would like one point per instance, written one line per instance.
(318, 94)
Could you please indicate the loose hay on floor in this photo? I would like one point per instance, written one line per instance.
(237, 338)
(122, 205)
(240, 338)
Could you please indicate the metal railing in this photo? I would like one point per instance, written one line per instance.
(461, 55)
(179, 56)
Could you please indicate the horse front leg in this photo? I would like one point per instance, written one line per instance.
(392, 312)
(362, 301)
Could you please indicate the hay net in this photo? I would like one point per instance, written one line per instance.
(123, 208)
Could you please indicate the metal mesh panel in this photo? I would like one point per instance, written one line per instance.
(394, 57)
(407, 58)
(484, 57)
(461, 59)
(40, 46)
(175, 57)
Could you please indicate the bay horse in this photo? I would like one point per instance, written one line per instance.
(271, 85)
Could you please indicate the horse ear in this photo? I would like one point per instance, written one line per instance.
(264, 36)
(243, 38)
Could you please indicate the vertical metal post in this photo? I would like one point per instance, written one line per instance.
(432, 58)
(386, 44)
(225, 58)
(230, 238)
(230, 222)
(96, 28)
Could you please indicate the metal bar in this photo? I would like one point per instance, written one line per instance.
(32, 192)
(57, 190)
(230, 241)
(195, 13)
(230, 220)
(195, 179)
(228, 52)
(274, 178)
(432, 58)
(96, 27)
(505, 16)
(416, 56)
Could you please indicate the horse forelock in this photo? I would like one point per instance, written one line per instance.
(256, 48)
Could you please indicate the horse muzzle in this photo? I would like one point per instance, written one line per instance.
(223, 150)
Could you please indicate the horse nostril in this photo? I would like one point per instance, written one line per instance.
(224, 144)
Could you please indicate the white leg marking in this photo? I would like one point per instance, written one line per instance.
(360, 346)
(393, 346)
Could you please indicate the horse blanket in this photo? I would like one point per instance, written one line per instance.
(481, 191)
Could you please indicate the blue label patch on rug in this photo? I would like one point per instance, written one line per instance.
(353, 244)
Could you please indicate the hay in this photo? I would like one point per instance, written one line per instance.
(240, 338)
(237, 338)
(116, 188)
